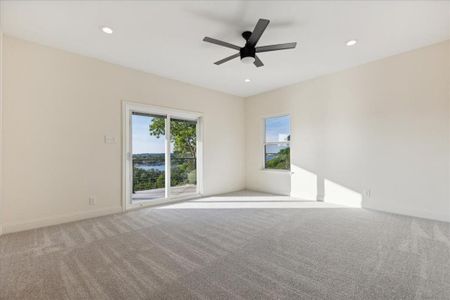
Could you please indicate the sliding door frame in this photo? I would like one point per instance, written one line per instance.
(128, 108)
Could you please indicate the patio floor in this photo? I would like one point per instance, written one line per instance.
(160, 193)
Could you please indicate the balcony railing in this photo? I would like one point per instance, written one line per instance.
(151, 173)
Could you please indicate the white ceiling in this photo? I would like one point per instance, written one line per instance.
(165, 37)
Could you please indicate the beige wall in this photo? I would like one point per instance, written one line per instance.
(383, 127)
(59, 106)
(1, 129)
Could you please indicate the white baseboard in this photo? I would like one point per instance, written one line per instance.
(15, 227)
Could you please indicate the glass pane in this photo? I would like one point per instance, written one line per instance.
(148, 160)
(277, 156)
(277, 129)
(183, 160)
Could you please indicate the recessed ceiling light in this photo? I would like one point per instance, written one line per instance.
(351, 43)
(106, 29)
(247, 80)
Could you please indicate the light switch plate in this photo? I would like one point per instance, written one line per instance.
(110, 139)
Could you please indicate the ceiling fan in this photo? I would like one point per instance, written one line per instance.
(248, 52)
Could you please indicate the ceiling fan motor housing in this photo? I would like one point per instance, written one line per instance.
(247, 52)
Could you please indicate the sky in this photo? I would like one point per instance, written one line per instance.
(142, 141)
(277, 129)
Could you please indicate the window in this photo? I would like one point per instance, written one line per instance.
(277, 137)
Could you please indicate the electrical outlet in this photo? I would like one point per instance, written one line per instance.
(91, 200)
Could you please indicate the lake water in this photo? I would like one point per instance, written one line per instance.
(148, 167)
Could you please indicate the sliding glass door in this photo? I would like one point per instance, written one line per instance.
(148, 156)
(183, 153)
(162, 156)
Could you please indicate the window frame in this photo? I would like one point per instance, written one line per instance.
(264, 143)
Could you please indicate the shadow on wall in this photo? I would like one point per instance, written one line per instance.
(308, 185)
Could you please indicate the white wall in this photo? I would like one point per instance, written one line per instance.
(383, 127)
(57, 108)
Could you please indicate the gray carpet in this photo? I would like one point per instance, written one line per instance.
(231, 247)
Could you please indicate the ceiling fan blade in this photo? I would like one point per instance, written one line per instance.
(257, 32)
(220, 43)
(227, 59)
(258, 62)
(276, 47)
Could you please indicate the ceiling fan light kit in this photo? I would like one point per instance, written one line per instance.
(248, 52)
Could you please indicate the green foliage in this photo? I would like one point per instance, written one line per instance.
(281, 160)
(183, 135)
(147, 179)
(181, 174)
